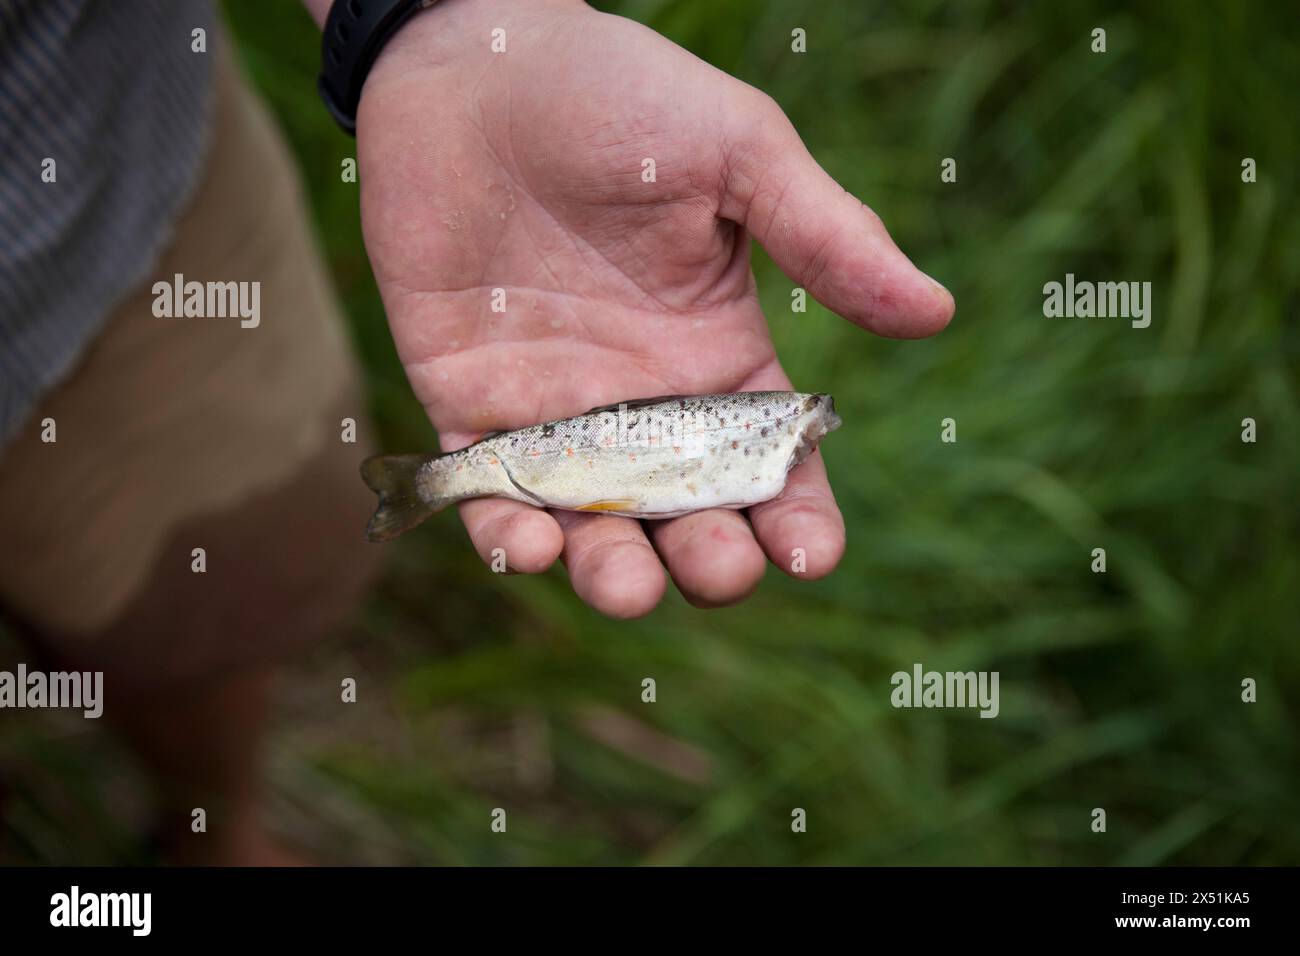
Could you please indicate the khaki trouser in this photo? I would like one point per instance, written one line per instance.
(175, 434)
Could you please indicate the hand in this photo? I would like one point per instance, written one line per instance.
(522, 171)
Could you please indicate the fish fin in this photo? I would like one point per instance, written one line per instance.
(401, 507)
(636, 403)
(609, 504)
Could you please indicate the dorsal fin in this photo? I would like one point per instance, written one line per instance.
(636, 403)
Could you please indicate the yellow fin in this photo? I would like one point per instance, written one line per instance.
(610, 504)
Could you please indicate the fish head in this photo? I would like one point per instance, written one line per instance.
(816, 419)
(826, 406)
(818, 416)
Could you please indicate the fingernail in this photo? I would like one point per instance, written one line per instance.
(941, 294)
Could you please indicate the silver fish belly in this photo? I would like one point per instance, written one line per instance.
(651, 458)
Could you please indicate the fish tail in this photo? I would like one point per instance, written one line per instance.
(401, 506)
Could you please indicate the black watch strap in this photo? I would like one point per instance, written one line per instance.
(355, 32)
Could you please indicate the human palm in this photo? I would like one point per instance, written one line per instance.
(564, 225)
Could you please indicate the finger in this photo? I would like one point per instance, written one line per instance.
(821, 236)
(529, 540)
(611, 564)
(711, 555)
(801, 529)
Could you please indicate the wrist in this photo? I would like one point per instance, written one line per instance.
(318, 9)
(453, 31)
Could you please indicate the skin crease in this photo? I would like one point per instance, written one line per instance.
(523, 171)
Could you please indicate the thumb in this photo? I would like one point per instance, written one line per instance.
(822, 237)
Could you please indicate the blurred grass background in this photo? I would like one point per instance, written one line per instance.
(1118, 690)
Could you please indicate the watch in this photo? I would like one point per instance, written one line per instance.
(355, 31)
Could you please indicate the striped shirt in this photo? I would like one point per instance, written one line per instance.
(104, 114)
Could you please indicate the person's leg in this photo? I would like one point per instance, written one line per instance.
(284, 569)
(201, 746)
(178, 434)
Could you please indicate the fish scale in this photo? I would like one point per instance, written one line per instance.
(649, 458)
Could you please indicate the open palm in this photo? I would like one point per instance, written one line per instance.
(565, 224)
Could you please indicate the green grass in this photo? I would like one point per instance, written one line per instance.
(1120, 690)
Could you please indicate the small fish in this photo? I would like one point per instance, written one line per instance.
(650, 458)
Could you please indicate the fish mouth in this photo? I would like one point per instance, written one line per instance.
(833, 421)
(817, 427)
(827, 421)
